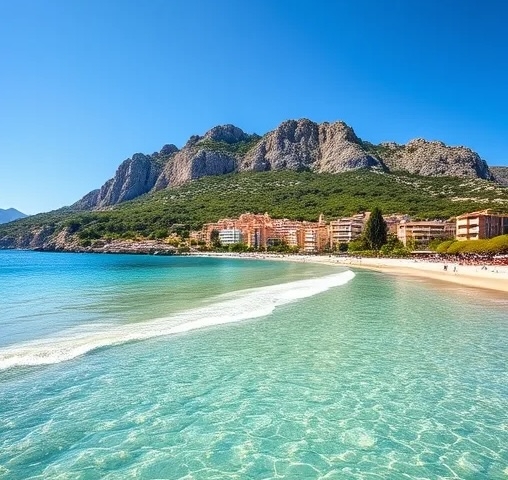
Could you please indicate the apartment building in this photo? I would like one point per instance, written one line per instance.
(289, 231)
(422, 233)
(257, 229)
(229, 236)
(315, 238)
(481, 225)
(346, 229)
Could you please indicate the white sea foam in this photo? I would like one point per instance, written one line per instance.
(232, 307)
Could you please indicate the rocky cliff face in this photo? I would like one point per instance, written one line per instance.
(134, 177)
(295, 145)
(89, 201)
(212, 154)
(305, 145)
(422, 157)
(500, 174)
(189, 164)
(342, 150)
(227, 133)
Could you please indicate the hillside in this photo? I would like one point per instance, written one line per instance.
(296, 145)
(288, 194)
(10, 214)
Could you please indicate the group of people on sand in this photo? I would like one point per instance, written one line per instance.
(445, 268)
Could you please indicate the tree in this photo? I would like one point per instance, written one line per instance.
(392, 244)
(342, 247)
(214, 238)
(356, 246)
(376, 230)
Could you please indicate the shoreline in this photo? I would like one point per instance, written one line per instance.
(494, 278)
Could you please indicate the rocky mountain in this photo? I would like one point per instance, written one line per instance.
(500, 174)
(305, 145)
(300, 145)
(134, 177)
(422, 157)
(10, 214)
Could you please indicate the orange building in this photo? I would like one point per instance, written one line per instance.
(315, 238)
(422, 233)
(256, 229)
(260, 231)
(480, 225)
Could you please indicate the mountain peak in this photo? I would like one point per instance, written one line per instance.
(10, 214)
(226, 133)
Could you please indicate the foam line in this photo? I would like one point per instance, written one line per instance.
(228, 308)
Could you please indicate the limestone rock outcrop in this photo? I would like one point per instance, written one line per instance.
(305, 145)
(190, 164)
(205, 155)
(227, 133)
(89, 201)
(342, 150)
(134, 177)
(422, 157)
(500, 174)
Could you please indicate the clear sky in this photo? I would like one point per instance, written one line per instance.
(86, 84)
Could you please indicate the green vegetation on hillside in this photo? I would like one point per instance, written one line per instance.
(238, 148)
(381, 151)
(300, 196)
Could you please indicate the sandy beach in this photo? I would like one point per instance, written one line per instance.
(493, 277)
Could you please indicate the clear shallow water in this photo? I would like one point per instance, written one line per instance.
(378, 377)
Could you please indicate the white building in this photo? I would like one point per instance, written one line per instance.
(229, 236)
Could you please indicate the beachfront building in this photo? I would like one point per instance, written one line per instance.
(422, 233)
(315, 238)
(229, 236)
(261, 231)
(481, 225)
(346, 229)
(255, 229)
(288, 231)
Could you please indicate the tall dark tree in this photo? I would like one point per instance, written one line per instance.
(214, 238)
(376, 230)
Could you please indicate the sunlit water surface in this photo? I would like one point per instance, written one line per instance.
(186, 368)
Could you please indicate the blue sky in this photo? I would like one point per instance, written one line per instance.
(86, 84)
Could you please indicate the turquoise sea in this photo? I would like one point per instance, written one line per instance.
(150, 367)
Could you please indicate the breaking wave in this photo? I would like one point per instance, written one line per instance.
(228, 308)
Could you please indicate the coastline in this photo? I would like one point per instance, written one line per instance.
(494, 278)
(488, 277)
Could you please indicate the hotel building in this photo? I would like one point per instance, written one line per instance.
(347, 229)
(422, 233)
(315, 238)
(481, 225)
(229, 236)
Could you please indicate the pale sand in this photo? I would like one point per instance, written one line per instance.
(494, 278)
